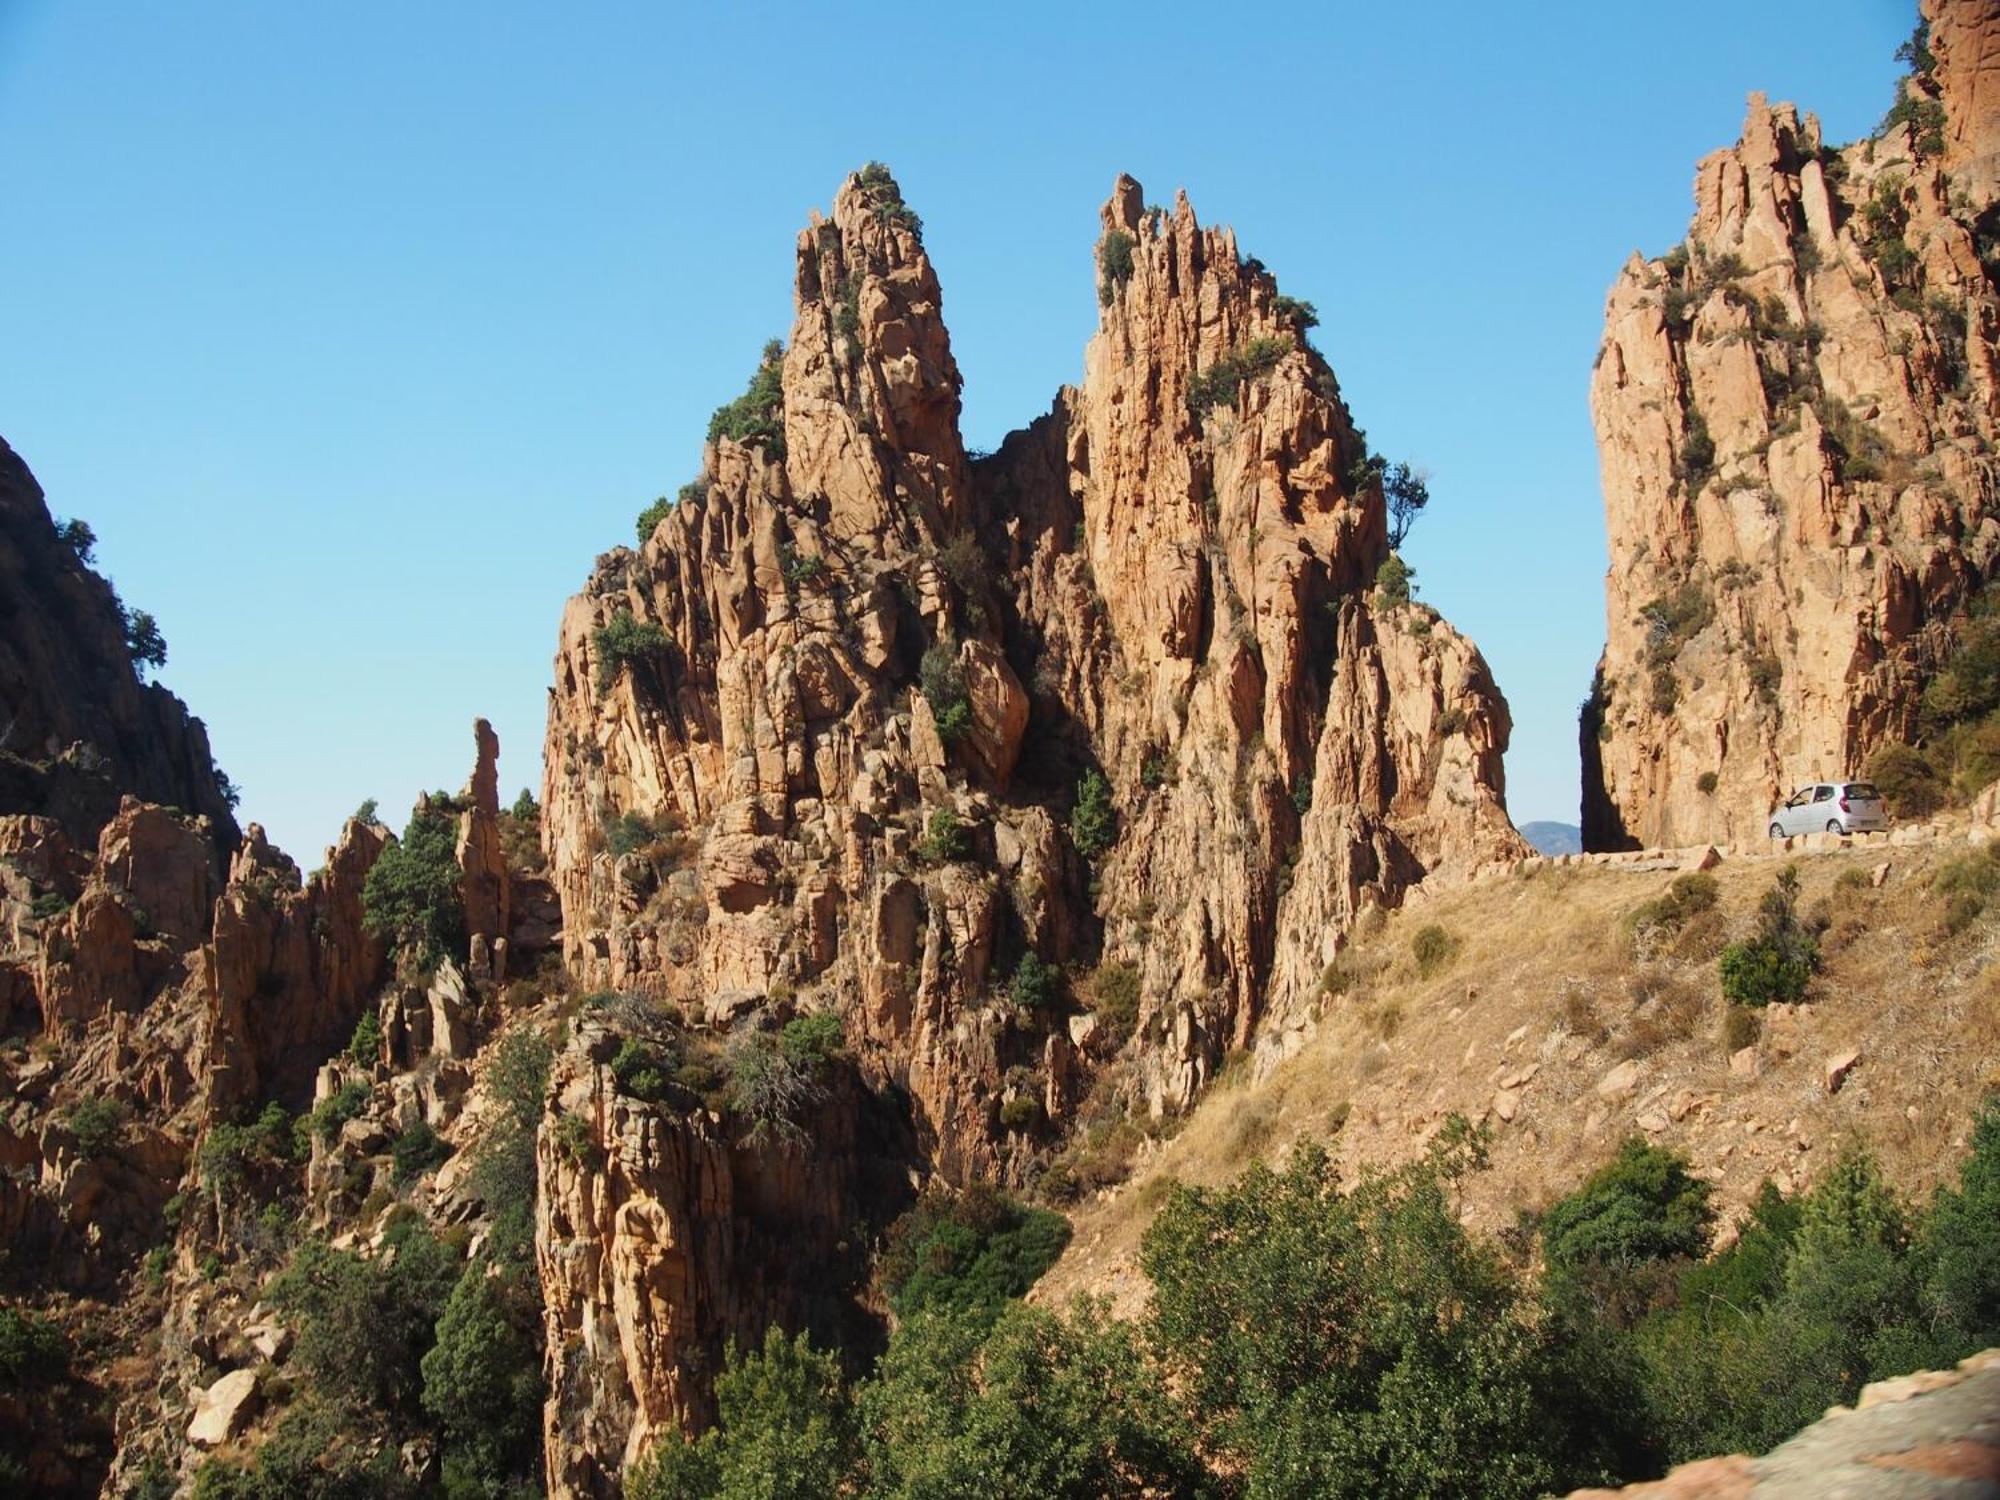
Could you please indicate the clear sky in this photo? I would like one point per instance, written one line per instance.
(358, 330)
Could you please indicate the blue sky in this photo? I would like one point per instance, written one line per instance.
(357, 331)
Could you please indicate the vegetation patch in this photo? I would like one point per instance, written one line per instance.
(1114, 265)
(757, 417)
(1434, 950)
(622, 642)
(413, 896)
(1219, 383)
(1778, 963)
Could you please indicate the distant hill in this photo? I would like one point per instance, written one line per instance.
(1554, 838)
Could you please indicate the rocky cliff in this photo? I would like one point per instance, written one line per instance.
(1796, 410)
(78, 726)
(871, 728)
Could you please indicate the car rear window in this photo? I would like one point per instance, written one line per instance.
(1863, 790)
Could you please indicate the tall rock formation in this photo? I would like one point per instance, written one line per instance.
(78, 727)
(818, 745)
(1796, 413)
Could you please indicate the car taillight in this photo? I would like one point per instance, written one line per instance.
(1843, 804)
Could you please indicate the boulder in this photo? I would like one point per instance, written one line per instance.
(223, 1410)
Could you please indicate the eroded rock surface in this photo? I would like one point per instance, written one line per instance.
(819, 741)
(1796, 411)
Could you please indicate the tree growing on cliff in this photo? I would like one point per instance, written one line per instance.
(1093, 825)
(143, 641)
(1405, 491)
(757, 417)
(412, 896)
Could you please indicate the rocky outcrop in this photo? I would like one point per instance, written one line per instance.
(78, 728)
(173, 996)
(662, 1237)
(1965, 39)
(1193, 540)
(817, 743)
(1796, 411)
(1188, 581)
(485, 892)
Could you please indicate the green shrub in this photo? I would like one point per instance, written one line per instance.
(945, 839)
(413, 894)
(1766, 673)
(143, 641)
(77, 535)
(231, 1153)
(650, 518)
(1642, 1205)
(518, 1074)
(801, 568)
(1360, 1343)
(1057, 1407)
(33, 1350)
(1695, 463)
(1393, 582)
(1219, 383)
(785, 1430)
(363, 1325)
(768, 1085)
(1114, 265)
(1909, 783)
(97, 1123)
(1778, 963)
(1300, 314)
(482, 1384)
(418, 1150)
(365, 813)
(1706, 783)
(365, 1046)
(1967, 886)
(887, 199)
(1740, 1027)
(1405, 493)
(628, 833)
(1022, 1112)
(757, 417)
(967, 1252)
(1433, 949)
(1114, 999)
(1035, 986)
(622, 641)
(1686, 897)
(642, 1070)
(344, 1104)
(813, 1040)
(1093, 822)
(943, 687)
(1673, 619)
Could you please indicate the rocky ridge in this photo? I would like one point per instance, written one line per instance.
(79, 727)
(1796, 413)
(819, 742)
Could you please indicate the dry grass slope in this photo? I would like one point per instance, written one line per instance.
(1550, 992)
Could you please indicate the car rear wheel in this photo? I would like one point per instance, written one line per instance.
(1777, 832)
(1833, 826)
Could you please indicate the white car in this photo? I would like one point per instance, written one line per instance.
(1830, 807)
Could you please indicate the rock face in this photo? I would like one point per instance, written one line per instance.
(1965, 37)
(819, 740)
(660, 1239)
(1796, 411)
(78, 728)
